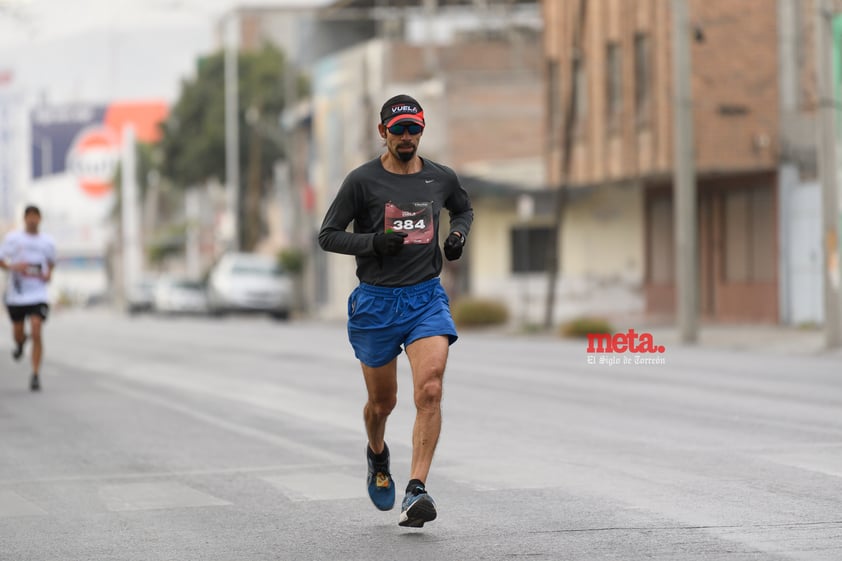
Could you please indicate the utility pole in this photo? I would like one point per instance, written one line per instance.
(232, 132)
(288, 132)
(555, 247)
(193, 214)
(129, 212)
(431, 63)
(684, 178)
(826, 153)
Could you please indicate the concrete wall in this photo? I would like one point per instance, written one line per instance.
(603, 260)
(603, 263)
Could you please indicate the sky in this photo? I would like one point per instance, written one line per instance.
(101, 50)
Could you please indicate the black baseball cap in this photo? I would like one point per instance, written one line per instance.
(401, 109)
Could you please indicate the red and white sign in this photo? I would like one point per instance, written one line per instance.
(93, 159)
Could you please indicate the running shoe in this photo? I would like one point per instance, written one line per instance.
(417, 508)
(35, 383)
(18, 350)
(381, 488)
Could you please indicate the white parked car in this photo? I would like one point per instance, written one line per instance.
(248, 282)
(175, 295)
(141, 296)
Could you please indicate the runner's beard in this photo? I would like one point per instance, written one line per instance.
(405, 156)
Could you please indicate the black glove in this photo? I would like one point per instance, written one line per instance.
(453, 246)
(388, 243)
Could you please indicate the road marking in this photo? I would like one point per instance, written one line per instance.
(13, 505)
(154, 496)
(166, 474)
(818, 460)
(268, 437)
(310, 486)
(335, 411)
(498, 475)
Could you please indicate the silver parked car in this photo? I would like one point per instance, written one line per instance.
(141, 296)
(180, 296)
(248, 282)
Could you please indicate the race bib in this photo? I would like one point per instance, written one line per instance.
(413, 219)
(33, 269)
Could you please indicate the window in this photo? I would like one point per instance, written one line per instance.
(642, 78)
(530, 245)
(613, 85)
(256, 270)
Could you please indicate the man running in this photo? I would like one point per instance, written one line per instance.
(394, 202)
(29, 257)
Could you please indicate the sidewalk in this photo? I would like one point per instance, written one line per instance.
(773, 339)
(755, 338)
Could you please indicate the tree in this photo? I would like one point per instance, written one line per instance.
(161, 235)
(193, 143)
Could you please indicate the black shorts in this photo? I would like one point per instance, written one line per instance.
(19, 313)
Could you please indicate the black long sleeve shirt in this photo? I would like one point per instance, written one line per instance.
(412, 199)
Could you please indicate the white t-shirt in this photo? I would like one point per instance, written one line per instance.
(39, 251)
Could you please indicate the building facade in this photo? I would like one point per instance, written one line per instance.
(617, 56)
(12, 149)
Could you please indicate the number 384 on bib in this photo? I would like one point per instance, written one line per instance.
(414, 219)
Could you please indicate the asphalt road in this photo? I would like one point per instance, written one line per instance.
(241, 439)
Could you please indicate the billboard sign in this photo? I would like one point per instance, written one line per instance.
(83, 141)
(55, 130)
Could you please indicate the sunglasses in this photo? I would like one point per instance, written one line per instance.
(399, 129)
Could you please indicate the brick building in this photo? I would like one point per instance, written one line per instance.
(623, 138)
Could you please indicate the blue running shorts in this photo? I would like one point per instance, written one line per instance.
(381, 319)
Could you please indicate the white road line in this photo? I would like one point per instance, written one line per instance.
(498, 475)
(829, 463)
(13, 505)
(168, 474)
(318, 486)
(155, 496)
(333, 411)
(244, 430)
